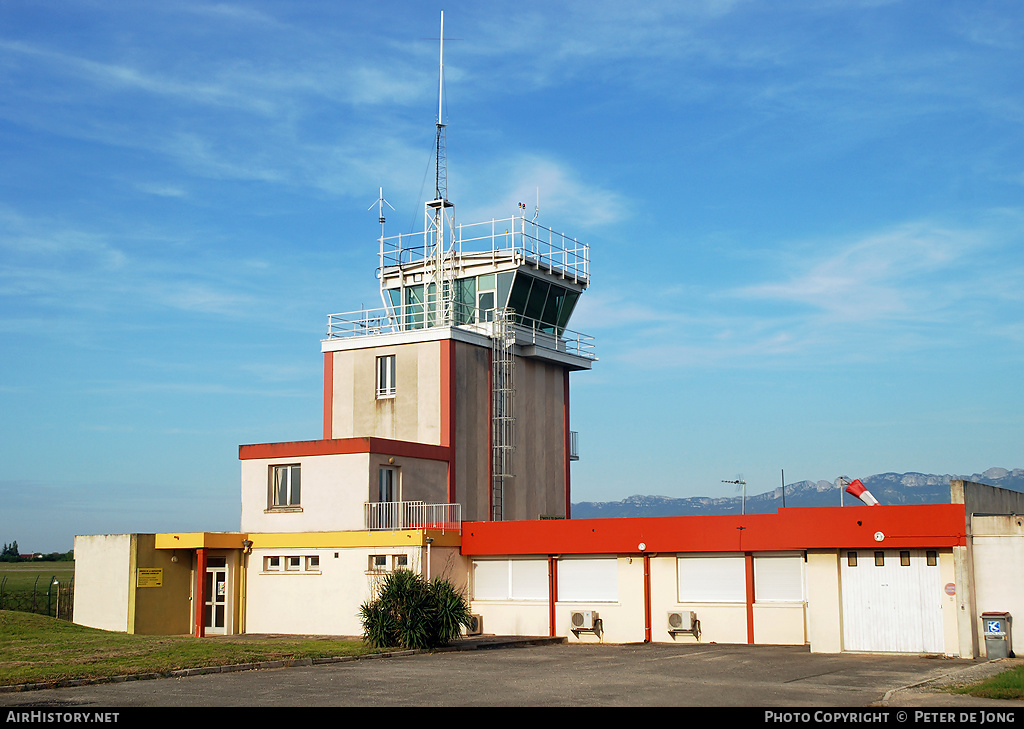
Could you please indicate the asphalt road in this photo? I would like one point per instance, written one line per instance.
(556, 675)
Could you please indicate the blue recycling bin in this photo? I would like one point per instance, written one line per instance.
(998, 643)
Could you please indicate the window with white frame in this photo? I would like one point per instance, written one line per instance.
(285, 486)
(386, 376)
(291, 563)
(387, 562)
(712, 578)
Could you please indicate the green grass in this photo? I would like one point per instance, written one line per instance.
(35, 648)
(21, 576)
(1006, 685)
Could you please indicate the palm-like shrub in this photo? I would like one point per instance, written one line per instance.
(410, 612)
(451, 611)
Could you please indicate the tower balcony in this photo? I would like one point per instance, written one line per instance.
(533, 336)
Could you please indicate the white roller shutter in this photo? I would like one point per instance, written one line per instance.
(778, 578)
(712, 578)
(490, 579)
(515, 579)
(529, 579)
(588, 580)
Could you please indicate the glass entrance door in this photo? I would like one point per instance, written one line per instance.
(216, 607)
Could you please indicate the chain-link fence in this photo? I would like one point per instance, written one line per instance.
(46, 597)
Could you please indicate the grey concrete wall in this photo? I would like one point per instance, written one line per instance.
(413, 414)
(979, 498)
(538, 486)
(472, 430)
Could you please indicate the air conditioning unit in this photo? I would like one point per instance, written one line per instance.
(584, 621)
(476, 625)
(683, 621)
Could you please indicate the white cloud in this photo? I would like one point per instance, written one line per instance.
(883, 275)
(565, 198)
(920, 287)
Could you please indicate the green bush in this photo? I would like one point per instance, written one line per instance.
(410, 612)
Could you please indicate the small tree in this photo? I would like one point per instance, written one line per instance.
(410, 612)
(10, 552)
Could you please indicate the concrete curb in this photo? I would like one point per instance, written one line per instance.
(465, 645)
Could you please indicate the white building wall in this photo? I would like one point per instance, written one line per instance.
(618, 605)
(824, 602)
(324, 598)
(614, 588)
(319, 601)
(999, 572)
(334, 489)
(103, 570)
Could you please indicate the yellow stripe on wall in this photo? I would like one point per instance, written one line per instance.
(308, 540)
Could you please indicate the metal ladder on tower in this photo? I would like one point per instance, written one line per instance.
(503, 339)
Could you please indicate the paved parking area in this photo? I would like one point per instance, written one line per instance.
(552, 675)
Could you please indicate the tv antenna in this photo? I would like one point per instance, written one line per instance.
(743, 484)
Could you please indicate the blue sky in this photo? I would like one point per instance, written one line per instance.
(806, 223)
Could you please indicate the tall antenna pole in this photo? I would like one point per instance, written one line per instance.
(438, 231)
(440, 78)
(441, 177)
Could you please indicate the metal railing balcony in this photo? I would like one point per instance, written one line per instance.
(395, 515)
(574, 445)
(411, 317)
(535, 243)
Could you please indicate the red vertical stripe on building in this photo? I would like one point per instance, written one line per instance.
(448, 409)
(200, 592)
(647, 598)
(328, 395)
(552, 592)
(748, 559)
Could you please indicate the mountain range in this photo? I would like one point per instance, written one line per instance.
(888, 488)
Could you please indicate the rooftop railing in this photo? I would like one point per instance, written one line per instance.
(412, 317)
(536, 243)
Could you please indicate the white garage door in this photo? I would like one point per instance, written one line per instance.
(892, 601)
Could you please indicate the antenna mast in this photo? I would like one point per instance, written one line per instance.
(441, 176)
(439, 238)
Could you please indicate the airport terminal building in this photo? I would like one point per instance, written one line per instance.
(447, 450)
